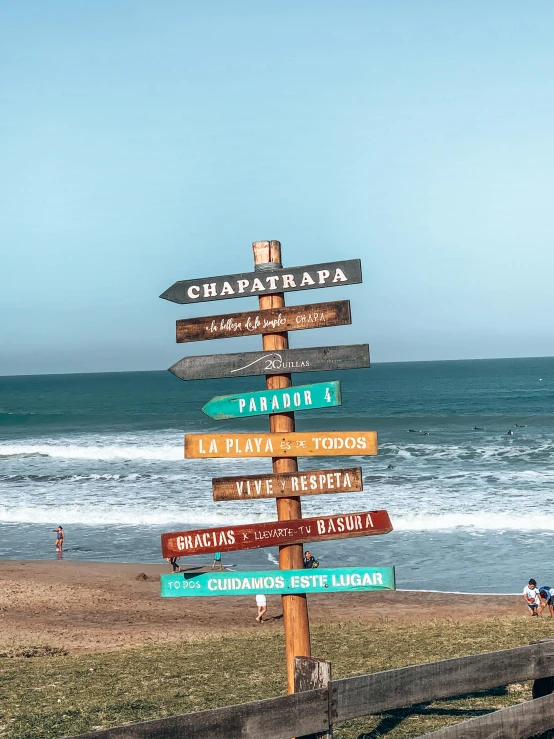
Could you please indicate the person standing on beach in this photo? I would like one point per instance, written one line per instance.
(217, 560)
(261, 602)
(174, 562)
(532, 598)
(60, 536)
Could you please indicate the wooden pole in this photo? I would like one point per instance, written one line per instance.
(291, 557)
(310, 674)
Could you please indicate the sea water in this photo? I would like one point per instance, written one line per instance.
(472, 508)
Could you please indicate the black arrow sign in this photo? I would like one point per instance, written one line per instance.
(329, 274)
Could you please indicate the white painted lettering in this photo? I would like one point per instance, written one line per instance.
(242, 285)
(227, 289)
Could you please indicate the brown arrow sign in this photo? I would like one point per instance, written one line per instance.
(275, 533)
(243, 364)
(308, 482)
(292, 444)
(271, 321)
(329, 274)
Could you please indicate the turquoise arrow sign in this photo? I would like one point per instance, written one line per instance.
(278, 582)
(300, 398)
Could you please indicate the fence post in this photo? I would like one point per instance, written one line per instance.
(544, 685)
(311, 673)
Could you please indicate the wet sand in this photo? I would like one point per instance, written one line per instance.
(89, 606)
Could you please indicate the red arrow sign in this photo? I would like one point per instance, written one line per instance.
(275, 533)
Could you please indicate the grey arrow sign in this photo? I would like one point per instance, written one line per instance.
(242, 364)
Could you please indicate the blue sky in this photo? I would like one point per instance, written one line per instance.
(142, 143)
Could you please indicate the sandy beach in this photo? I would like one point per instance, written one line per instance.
(88, 607)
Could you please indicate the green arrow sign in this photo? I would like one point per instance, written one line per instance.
(301, 398)
(278, 582)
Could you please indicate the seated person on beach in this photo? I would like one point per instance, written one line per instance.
(546, 595)
(310, 561)
(217, 560)
(60, 536)
(531, 596)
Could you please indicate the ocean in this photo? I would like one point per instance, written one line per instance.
(102, 455)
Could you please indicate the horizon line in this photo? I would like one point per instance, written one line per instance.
(402, 361)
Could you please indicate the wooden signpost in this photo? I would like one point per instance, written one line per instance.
(318, 315)
(272, 281)
(269, 282)
(275, 533)
(295, 444)
(278, 582)
(298, 398)
(243, 364)
(309, 482)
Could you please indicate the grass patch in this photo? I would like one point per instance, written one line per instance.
(32, 651)
(56, 696)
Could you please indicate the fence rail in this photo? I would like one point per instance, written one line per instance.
(324, 702)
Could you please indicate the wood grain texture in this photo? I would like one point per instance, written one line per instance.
(295, 444)
(295, 607)
(273, 718)
(274, 362)
(307, 482)
(311, 673)
(516, 722)
(385, 691)
(275, 533)
(269, 321)
(258, 284)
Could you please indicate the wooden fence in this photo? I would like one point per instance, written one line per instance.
(322, 702)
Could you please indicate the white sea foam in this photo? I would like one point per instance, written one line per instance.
(489, 521)
(100, 453)
(117, 515)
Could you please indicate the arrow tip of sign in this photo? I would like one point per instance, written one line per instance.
(173, 369)
(166, 295)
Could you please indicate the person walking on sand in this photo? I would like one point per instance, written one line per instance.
(217, 560)
(60, 536)
(531, 596)
(174, 562)
(261, 602)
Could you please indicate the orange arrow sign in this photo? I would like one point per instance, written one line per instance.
(293, 444)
